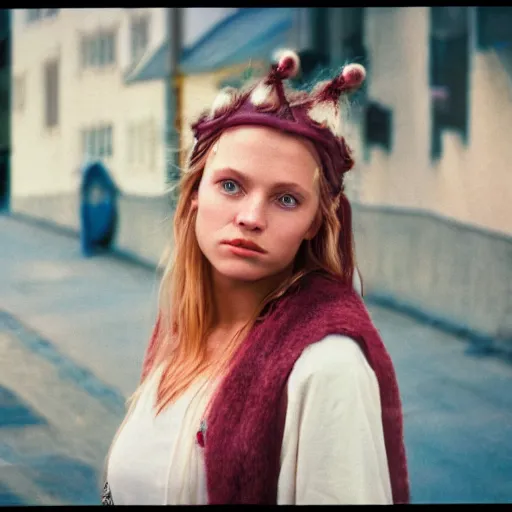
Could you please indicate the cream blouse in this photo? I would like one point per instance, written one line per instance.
(333, 445)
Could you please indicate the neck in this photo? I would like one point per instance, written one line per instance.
(236, 301)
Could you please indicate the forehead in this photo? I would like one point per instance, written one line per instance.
(251, 148)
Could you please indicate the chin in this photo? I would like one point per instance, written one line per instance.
(240, 271)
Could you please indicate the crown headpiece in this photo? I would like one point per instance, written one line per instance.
(315, 115)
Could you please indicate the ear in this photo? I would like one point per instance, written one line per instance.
(315, 226)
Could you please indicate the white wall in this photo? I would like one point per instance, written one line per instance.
(44, 160)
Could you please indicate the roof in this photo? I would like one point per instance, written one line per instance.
(250, 33)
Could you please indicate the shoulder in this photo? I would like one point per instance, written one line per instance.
(331, 352)
(334, 361)
(333, 395)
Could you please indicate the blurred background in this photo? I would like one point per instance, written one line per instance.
(95, 106)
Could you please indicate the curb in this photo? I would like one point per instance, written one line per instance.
(67, 368)
(480, 344)
(121, 254)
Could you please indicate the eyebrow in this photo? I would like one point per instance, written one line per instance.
(281, 184)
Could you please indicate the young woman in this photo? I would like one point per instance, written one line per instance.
(265, 380)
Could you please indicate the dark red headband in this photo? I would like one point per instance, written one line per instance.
(314, 116)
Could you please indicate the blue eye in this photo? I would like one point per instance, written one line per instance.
(288, 201)
(230, 186)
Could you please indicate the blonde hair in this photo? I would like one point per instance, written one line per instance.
(186, 306)
(186, 299)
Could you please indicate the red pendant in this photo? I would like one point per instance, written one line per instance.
(201, 434)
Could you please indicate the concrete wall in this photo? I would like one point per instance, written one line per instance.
(449, 272)
(455, 274)
(144, 223)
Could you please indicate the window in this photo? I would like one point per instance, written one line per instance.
(317, 61)
(93, 143)
(449, 72)
(111, 49)
(51, 84)
(353, 49)
(316, 57)
(378, 126)
(97, 141)
(129, 138)
(98, 50)
(101, 142)
(94, 48)
(50, 13)
(4, 52)
(18, 93)
(84, 52)
(33, 15)
(108, 141)
(104, 141)
(140, 134)
(139, 37)
(4, 99)
(141, 146)
(102, 50)
(327, 24)
(320, 32)
(494, 26)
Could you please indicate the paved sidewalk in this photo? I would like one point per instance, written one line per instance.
(98, 311)
(72, 336)
(54, 434)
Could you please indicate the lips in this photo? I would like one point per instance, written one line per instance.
(246, 244)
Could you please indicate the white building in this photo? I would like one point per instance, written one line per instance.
(469, 180)
(72, 100)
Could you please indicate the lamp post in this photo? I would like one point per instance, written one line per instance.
(173, 95)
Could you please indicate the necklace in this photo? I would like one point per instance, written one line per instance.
(201, 433)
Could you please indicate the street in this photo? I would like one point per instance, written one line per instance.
(72, 336)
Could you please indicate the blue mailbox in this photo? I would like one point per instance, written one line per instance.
(98, 208)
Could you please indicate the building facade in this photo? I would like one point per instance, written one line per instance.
(448, 94)
(71, 100)
(433, 216)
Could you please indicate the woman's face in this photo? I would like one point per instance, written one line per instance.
(258, 186)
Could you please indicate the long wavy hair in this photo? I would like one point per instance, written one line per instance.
(186, 305)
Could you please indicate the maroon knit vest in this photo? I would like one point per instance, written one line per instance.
(245, 424)
(244, 435)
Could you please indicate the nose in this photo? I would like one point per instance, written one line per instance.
(251, 215)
